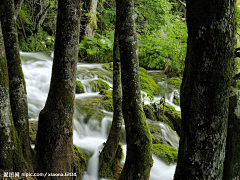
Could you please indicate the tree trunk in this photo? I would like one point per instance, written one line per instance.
(17, 87)
(11, 157)
(109, 151)
(91, 25)
(17, 4)
(139, 143)
(54, 143)
(205, 89)
(232, 162)
(84, 18)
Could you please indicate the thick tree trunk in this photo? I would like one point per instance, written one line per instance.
(91, 25)
(139, 143)
(232, 161)
(205, 89)
(17, 87)
(109, 151)
(54, 143)
(11, 157)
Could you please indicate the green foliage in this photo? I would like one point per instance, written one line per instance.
(151, 97)
(166, 153)
(79, 87)
(162, 35)
(98, 49)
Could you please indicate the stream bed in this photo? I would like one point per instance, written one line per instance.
(92, 134)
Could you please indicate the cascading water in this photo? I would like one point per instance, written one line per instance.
(92, 134)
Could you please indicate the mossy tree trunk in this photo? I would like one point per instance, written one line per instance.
(17, 87)
(91, 25)
(54, 142)
(11, 157)
(232, 160)
(84, 18)
(139, 143)
(109, 151)
(205, 89)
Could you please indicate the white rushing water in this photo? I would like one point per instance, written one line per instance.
(89, 136)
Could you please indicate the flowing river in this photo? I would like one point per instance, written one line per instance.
(88, 135)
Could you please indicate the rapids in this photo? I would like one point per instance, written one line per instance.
(91, 135)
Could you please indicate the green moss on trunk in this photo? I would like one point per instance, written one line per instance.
(205, 89)
(54, 143)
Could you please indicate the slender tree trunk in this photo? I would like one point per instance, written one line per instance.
(91, 25)
(18, 4)
(84, 18)
(11, 157)
(17, 87)
(205, 89)
(54, 143)
(109, 151)
(139, 143)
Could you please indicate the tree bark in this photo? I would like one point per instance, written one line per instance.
(17, 86)
(11, 157)
(205, 89)
(109, 151)
(17, 4)
(84, 18)
(54, 143)
(91, 25)
(139, 143)
(232, 161)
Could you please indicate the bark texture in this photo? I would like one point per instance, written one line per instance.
(139, 143)
(54, 143)
(109, 151)
(17, 87)
(11, 157)
(205, 89)
(232, 161)
(91, 25)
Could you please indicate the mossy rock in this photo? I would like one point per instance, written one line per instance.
(97, 85)
(176, 100)
(159, 77)
(91, 107)
(143, 71)
(170, 108)
(33, 127)
(113, 170)
(148, 84)
(149, 112)
(175, 118)
(108, 66)
(166, 153)
(175, 82)
(103, 77)
(157, 135)
(107, 99)
(81, 160)
(79, 87)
